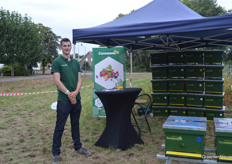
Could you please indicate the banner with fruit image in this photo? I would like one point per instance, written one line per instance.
(109, 70)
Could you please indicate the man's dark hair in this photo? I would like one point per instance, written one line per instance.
(64, 40)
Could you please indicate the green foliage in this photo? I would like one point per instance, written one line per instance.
(227, 56)
(85, 65)
(50, 42)
(205, 8)
(6, 70)
(26, 43)
(19, 70)
(122, 15)
(20, 40)
(141, 61)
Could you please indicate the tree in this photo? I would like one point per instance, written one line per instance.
(10, 28)
(31, 49)
(205, 8)
(50, 43)
(76, 56)
(141, 61)
(20, 40)
(26, 43)
(85, 66)
(120, 15)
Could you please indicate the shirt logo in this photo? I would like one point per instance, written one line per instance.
(64, 65)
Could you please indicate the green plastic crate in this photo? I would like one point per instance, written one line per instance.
(176, 85)
(213, 72)
(160, 111)
(195, 100)
(159, 85)
(194, 72)
(176, 99)
(223, 138)
(212, 113)
(213, 57)
(159, 58)
(177, 111)
(193, 57)
(159, 72)
(196, 112)
(214, 86)
(160, 99)
(195, 86)
(176, 71)
(214, 101)
(176, 57)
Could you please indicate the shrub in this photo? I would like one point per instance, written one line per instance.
(18, 70)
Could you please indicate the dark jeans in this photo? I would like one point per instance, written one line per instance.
(64, 108)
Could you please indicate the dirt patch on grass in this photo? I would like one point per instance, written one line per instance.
(26, 85)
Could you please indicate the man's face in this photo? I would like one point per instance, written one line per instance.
(66, 48)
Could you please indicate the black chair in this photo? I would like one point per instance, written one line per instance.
(142, 107)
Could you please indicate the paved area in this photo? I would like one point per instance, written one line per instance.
(17, 78)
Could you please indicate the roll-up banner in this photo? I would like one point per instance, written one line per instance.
(109, 72)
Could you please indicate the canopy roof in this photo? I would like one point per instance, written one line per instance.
(161, 24)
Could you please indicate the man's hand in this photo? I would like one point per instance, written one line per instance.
(73, 101)
(72, 97)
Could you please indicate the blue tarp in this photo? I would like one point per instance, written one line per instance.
(161, 24)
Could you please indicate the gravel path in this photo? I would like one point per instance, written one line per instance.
(17, 78)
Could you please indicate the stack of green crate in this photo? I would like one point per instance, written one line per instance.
(214, 95)
(194, 83)
(159, 84)
(188, 83)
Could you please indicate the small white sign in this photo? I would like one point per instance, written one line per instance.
(54, 106)
(98, 103)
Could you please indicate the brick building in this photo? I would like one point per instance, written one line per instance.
(87, 58)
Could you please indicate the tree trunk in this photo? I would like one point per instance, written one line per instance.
(43, 66)
(12, 69)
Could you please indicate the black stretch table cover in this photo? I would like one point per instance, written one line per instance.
(119, 132)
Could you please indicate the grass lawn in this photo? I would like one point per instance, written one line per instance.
(27, 125)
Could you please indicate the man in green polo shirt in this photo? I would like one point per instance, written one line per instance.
(67, 77)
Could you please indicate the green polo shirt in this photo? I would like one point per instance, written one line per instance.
(69, 71)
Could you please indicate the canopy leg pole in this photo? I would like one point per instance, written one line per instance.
(74, 57)
(131, 68)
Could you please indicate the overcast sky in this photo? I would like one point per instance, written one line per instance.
(64, 15)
